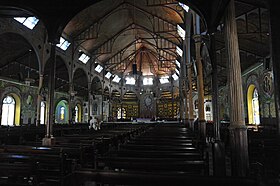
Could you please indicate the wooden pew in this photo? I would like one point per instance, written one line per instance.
(44, 165)
(264, 155)
(17, 169)
(155, 154)
(93, 177)
(162, 148)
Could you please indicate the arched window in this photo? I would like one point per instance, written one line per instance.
(253, 105)
(76, 113)
(42, 112)
(62, 113)
(8, 111)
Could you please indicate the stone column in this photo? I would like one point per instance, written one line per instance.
(218, 147)
(191, 117)
(110, 101)
(181, 107)
(184, 102)
(215, 104)
(200, 89)
(186, 110)
(70, 103)
(89, 100)
(188, 82)
(183, 95)
(184, 68)
(172, 97)
(275, 43)
(39, 99)
(49, 139)
(102, 105)
(237, 128)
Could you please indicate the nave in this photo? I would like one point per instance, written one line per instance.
(204, 71)
(160, 153)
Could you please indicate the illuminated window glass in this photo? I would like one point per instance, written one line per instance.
(84, 58)
(148, 81)
(98, 68)
(178, 63)
(42, 112)
(164, 80)
(63, 43)
(175, 76)
(181, 32)
(8, 111)
(121, 113)
(179, 51)
(62, 113)
(29, 22)
(130, 81)
(255, 107)
(108, 75)
(116, 79)
(185, 7)
(76, 113)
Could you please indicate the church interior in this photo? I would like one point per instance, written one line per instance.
(185, 92)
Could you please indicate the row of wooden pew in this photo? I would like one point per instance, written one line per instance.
(165, 154)
(118, 154)
(264, 153)
(33, 164)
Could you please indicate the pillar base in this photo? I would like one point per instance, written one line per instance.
(219, 160)
(48, 141)
(239, 150)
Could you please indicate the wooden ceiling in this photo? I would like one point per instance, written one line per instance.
(125, 32)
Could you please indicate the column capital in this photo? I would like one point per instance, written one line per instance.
(197, 38)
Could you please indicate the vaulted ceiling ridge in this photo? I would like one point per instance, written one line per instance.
(120, 7)
(173, 54)
(101, 19)
(150, 13)
(154, 62)
(165, 50)
(119, 52)
(111, 40)
(145, 29)
(135, 53)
